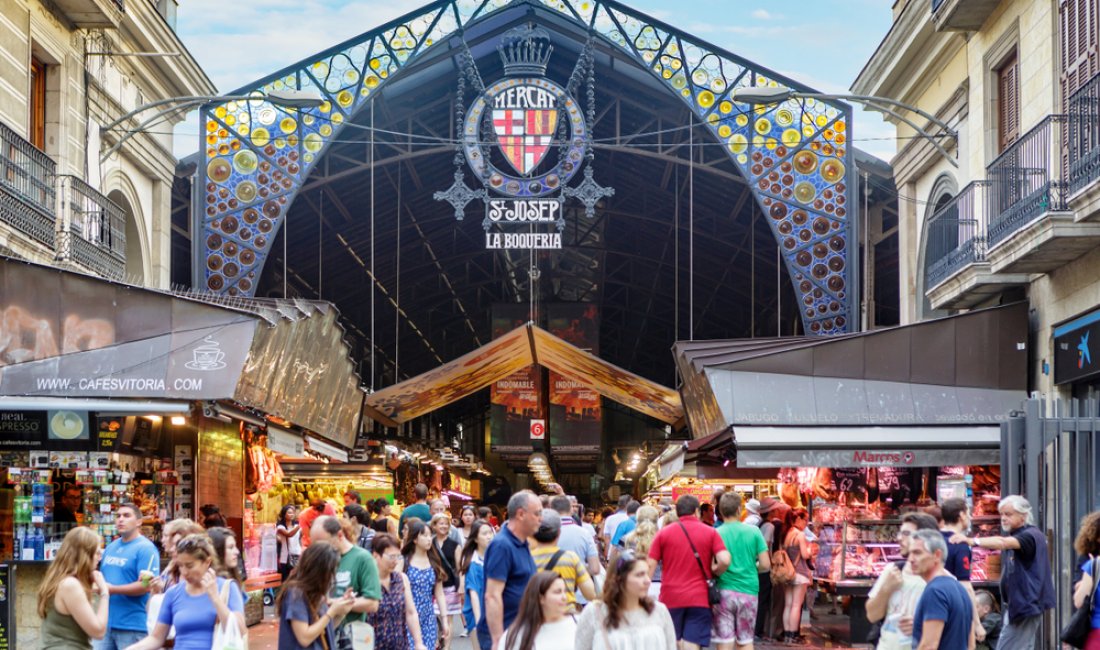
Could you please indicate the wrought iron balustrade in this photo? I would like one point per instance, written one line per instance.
(27, 178)
(1027, 179)
(957, 233)
(93, 228)
(1084, 135)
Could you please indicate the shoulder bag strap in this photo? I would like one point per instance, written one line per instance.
(693, 551)
(1095, 583)
(554, 560)
(446, 561)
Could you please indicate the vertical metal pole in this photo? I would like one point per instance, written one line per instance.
(373, 287)
(691, 231)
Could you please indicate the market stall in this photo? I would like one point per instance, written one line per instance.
(862, 428)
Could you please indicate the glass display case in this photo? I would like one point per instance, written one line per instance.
(865, 548)
(985, 564)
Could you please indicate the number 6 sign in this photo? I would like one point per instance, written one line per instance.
(538, 429)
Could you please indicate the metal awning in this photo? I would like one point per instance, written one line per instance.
(961, 370)
(504, 356)
(68, 335)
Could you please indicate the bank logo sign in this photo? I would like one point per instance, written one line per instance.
(525, 138)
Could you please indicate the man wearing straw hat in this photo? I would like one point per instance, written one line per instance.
(129, 565)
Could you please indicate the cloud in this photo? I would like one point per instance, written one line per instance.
(764, 14)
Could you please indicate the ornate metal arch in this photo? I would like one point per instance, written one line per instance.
(795, 154)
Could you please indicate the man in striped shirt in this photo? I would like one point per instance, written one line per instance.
(567, 564)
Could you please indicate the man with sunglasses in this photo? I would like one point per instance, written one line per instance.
(897, 590)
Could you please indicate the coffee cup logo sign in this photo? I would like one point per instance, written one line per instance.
(525, 138)
(207, 356)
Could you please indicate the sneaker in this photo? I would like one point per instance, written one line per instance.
(464, 635)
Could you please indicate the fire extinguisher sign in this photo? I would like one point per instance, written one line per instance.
(538, 429)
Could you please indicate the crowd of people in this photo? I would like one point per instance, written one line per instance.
(645, 577)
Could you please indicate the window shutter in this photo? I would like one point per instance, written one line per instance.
(1080, 41)
(1008, 78)
(37, 130)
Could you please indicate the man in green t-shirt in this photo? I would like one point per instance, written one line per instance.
(735, 616)
(419, 509)
(357, 571)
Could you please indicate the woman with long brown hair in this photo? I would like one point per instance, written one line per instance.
(306, 616)
(794, 594)
(70, 620)
(627, 618)
(227, 553)
(199, 604)
(173, 532)
(424, 568)
(542, 622)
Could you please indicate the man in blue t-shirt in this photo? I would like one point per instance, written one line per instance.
(956, 521)
(628, 525)
(508, 567)
(129, 565)
(944, 615)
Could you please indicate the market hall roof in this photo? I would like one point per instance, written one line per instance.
(65, 334)
(663, 113)
(969, 369)
(504, 356)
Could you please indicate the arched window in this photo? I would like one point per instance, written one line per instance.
(934, 247)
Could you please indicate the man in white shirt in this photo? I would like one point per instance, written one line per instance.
(611, 524)
(897, 591)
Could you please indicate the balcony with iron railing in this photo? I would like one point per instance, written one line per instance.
(1084, 139)
(27, 178)
(961, 15)
(92, 229)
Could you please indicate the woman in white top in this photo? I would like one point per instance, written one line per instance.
(543, 622)
(627, 618)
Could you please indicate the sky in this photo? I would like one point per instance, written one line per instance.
(821, 43)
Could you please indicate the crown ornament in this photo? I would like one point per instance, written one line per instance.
(525, 51)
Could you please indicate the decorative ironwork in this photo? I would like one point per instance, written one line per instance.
(1027, 179)
(93, 228)
(27, 196)
(459, 194)
(1084, 136)
(794, 154)
(589, 192)
(957, 234)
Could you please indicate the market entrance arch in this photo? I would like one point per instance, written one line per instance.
(794, 156)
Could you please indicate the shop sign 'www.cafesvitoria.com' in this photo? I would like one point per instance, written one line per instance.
(525, 138)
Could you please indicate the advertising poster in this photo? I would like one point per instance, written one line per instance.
(576, 416)
(516, 399)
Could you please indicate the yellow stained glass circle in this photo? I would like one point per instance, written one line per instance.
(726, 107)
(260, 137)
(220, 112)
(763, 125)
(280, 143)
(718, 85)
(784, 117)
(375, 64)
(345, 98)
(218, 170)
(246, 191)
(700, 77)
(706, 99)
(742, 120)
(245, 161)
(288, 124)
(230, 120)
(758, 141)
(738, 143)
(742, 158)
(821, 120)
(805, 162)
(351, 76)
(266, 115)
(679, 82)
(805, 192)
(713, 119)
(372, 81)
(840, 126)
(791, 137)
(211, 126)
(725, 131)
(832, 170)
(313, 142)
(772, 144)
(320, 68)
(337, 118)
(325, 130)
(666, 73)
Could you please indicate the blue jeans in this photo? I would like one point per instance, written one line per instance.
(117, 639)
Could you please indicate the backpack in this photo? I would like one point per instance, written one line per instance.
(782, 568)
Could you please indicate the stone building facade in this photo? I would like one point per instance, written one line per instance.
(1019, 217)
(70, 68)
